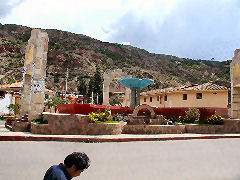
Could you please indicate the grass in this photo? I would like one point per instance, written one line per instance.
(3, 118)
(107, 122)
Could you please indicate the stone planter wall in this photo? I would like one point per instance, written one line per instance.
(40, 128)
(72, 124)
(153, 129)
(231, 125)
(79, 125)
(20, 126)
(105, 128)
(143, 120)
(204, 129)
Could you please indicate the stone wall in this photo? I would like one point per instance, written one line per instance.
(105, 129)
(20, 126)
(204, 129)
(66, 123)
(40, 128)
(153, 129)
(79, 124)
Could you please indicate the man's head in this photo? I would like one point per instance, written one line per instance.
(76, 163)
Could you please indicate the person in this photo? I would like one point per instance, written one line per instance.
(74, 164)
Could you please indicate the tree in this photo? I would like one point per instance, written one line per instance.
(54, 101)
(98, 84)
(95, 86)
(15, 108)
(82, 87)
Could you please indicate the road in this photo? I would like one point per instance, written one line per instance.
(166, 160)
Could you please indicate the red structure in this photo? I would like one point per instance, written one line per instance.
(88, 108)
(166, 112)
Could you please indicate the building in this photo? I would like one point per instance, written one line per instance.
(205, 95)
(10, 94)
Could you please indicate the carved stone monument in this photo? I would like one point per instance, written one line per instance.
(235, 85)
(32, 100)
(108, 77)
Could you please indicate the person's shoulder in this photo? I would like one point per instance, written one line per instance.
(53, 173)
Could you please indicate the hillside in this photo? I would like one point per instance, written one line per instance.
(80, 54)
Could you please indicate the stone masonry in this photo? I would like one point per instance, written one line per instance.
(108, 77)
(34, 73)
(235, 85)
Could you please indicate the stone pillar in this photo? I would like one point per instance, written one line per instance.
(235, 108)
(138, 96)
(25, 100)
(34, 75)
(235, 85)
(127, 97)
(133, 97)
(106, 84)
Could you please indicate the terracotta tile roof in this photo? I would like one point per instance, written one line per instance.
(14, 85)
(203, 87)
(18, 85)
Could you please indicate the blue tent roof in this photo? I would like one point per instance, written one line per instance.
(135, 82)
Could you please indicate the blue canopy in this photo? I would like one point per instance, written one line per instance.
(135, 82)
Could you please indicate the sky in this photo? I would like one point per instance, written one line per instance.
(196, 29)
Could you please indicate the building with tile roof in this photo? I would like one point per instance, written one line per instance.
(204, 95)
(10, 94)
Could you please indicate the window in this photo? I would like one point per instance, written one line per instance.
(150, 99)
(165, 98)
(184, 96)
(2, 94)
(159, 99)
(199, 95)
(145, 99)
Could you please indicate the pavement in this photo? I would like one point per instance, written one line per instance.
(7, 135)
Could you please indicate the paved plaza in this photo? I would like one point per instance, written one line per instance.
(167, 160)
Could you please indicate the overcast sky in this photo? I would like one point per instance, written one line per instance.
(198, 29)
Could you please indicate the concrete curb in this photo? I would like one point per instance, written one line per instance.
(92, 140)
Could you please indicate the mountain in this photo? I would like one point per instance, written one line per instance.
(80, 54)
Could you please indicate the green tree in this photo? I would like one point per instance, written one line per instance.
(54, 101)
(95, 86)
(15, 108)
(82, 87)
(98, 84)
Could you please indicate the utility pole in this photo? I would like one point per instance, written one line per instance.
(92, 98)
(97, 98)
(66, 85)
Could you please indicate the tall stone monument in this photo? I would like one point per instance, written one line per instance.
(235, 85)
(34, 73)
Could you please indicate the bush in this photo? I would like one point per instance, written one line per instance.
(120, 117)
(40, 121)
(3, 118)
(192, 115)
(15, 108)
(100, 116)
(54, 101)
(214, 120)
(179, 119)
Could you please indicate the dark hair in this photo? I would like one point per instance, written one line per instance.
(79, 159)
